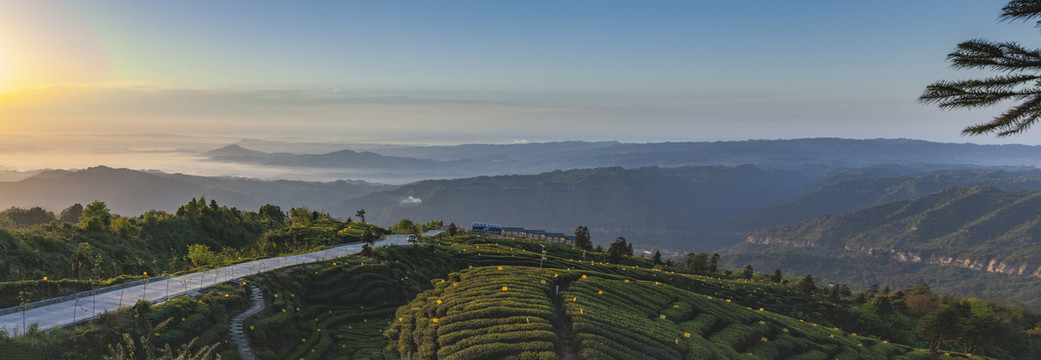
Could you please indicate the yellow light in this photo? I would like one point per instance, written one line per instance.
(3, 73)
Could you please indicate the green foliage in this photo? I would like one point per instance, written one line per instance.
(806, 285)
(619, 248)
(472, 297)
(1019, 71)
(342, 307)
(582, 240)
(434, 225)
(71, 214)
(121, 248)
(96, 217)
(181, 328)
(405, 226)
(201, 255)
(915, 241)
(18, 218)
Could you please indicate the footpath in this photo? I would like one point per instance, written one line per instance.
(239, 336)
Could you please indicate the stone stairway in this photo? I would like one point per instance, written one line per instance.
(237, 335)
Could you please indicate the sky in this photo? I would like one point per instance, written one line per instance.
(105, 75)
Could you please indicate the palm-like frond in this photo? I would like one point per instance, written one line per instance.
(1004, 57)
(1014, 121)
(1022, 84)
(980, 93)
(1021, 10)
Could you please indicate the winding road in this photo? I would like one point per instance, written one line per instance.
(104, 300)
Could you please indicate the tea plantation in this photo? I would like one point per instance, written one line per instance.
(470, 297)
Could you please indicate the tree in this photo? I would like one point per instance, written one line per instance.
(1019, 72)
(435, 225)
(201, 255)
(405, 226)
(619, 248)
(748, 272)
(871, 291)
(833, 293)
(697, 263)
(273, 213)
(776, 277)
(71, 214)
(657, 257)
(881, 304)
(301, 216)
(979, 330)
(83, 260)
(23, 218)
(366, 250)
(96, 217)
(452, 229)
(361, 215)
(368, 237)
(806, 285)
(582, 240)
(845, 291)
(943, 324)
(713, 264)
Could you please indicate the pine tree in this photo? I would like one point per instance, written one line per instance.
(1019, 71)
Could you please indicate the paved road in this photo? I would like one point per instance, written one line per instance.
(65, 313)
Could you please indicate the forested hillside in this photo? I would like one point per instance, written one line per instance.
(951, 239)
(677, 207)
(683, 208)
(89, 246)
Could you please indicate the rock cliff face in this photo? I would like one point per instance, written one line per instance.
(988, 265)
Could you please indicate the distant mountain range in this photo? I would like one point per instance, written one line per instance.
(396, 164)
(694, 207)
(686, 208)
(670, 205)
(131, 192)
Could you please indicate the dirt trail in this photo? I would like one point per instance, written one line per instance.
(567, 346)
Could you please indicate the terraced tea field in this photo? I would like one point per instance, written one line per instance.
(483, 298)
